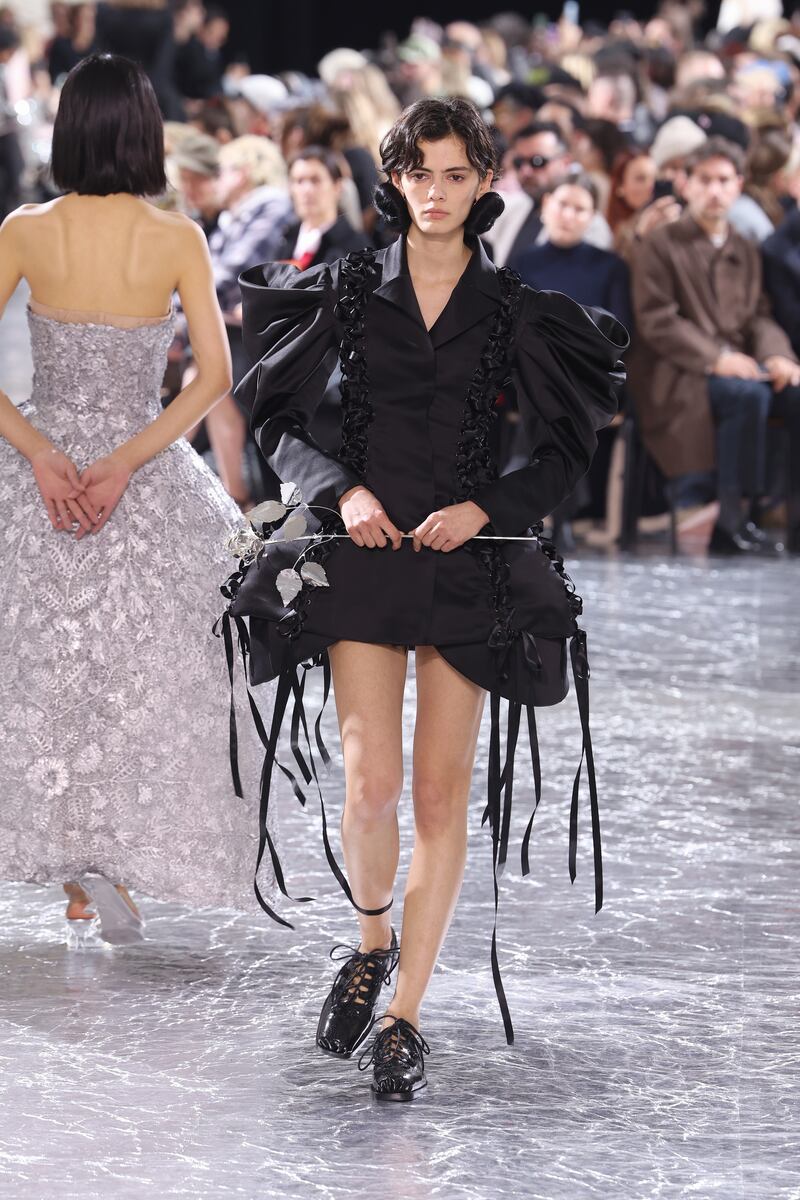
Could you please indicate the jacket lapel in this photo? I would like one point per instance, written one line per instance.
(395, 286)
(475, 296)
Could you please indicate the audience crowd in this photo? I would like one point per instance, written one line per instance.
(651, 168)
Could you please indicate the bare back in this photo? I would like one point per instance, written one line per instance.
(110, 254)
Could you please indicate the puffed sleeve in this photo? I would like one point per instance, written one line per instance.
(566, 374)
(290, 334)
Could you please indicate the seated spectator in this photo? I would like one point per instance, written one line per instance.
(213, 118)
(758, 211)
(256, 209)
(561, 260)
(597, 145)
(321, 234)
(539, 157)
(195, 163)
(256, 104)
(316, 125)
(675, 141)
(633, 178)
(781, 256)
(514, 109)
(710, 364)
(612, 99)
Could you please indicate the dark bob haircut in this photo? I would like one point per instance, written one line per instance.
(327, 158)
(431, 121)
(108, 135)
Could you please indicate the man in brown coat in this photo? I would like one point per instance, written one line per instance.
(710, 364)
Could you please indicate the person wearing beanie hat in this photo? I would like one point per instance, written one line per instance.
(677, 138)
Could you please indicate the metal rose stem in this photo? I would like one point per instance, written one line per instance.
(478, 537)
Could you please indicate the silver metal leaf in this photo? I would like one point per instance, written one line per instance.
(290, 494)
(294, 526)
(288, 584)
(268, 512)
(314, 574)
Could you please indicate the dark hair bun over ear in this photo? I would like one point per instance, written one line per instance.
(392, 206)
(484, 213)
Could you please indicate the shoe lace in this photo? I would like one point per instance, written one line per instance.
(398, 1044)
(360, 968)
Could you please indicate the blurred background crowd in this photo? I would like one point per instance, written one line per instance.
(650, 167)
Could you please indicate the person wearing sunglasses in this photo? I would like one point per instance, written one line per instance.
(538, 156)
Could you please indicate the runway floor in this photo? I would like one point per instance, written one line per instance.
(658, 1044)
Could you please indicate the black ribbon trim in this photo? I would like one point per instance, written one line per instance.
(224, 623)
(580, 673)
(536, 766)
(499, 815)
(289, 685)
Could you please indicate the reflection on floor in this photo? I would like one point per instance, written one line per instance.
(657, 1043)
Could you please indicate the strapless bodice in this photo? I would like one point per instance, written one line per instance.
(95, 384)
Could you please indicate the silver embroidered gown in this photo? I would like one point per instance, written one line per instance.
(114, 694)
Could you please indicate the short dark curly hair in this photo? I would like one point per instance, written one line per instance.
(431, 121)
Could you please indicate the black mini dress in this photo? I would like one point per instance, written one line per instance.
(417, 415)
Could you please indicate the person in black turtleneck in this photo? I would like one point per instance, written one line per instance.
(562, 261)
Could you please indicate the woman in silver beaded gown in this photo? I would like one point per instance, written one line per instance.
(113, 699)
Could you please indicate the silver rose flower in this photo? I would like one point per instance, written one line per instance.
(245, 543)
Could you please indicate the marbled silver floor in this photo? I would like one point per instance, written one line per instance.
(658, 1044)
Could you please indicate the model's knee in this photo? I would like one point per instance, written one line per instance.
(439, 805)
(372, 799)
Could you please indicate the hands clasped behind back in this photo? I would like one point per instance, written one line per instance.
(79, 503)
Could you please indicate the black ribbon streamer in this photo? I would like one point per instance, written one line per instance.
(289, 686)
(580, 673)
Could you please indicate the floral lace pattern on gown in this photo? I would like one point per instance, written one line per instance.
(113, 691)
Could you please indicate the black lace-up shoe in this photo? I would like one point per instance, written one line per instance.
(398, 1061)
(347, 1014)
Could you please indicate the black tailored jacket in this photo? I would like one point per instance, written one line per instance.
(334, 243)
(563, 365)
(781, 256)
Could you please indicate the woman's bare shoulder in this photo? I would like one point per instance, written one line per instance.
(168, 220)
(175, 230)
(28, 216)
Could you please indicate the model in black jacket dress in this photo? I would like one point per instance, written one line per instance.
(417, 408)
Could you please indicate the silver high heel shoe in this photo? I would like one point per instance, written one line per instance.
(119, 924)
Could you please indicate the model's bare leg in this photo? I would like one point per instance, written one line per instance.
(449, 709)
(227, 433)
(368, 682)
